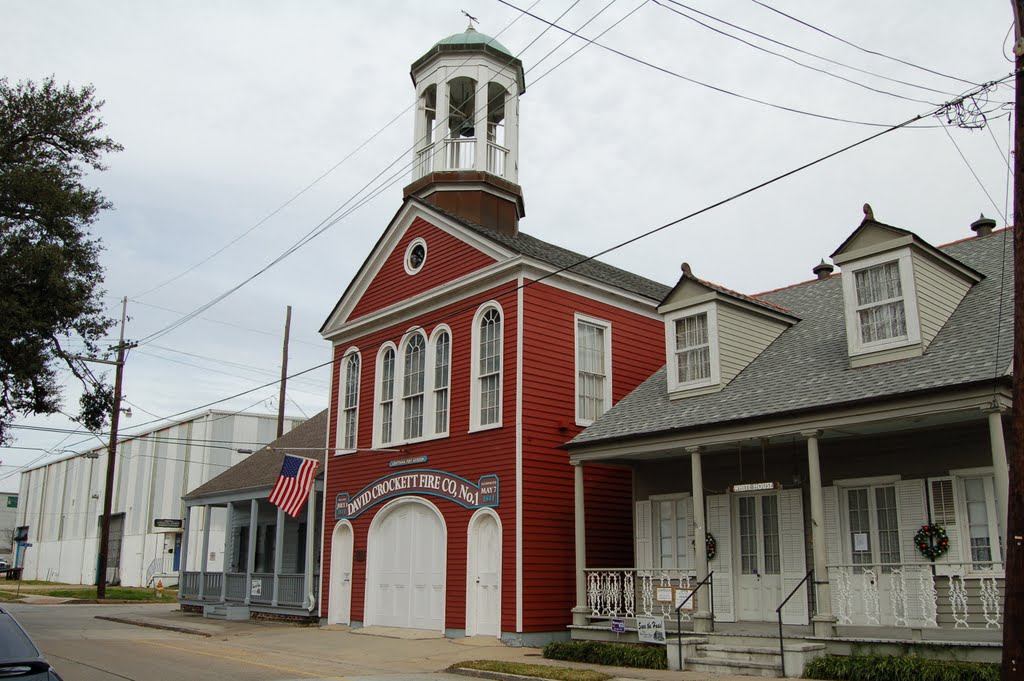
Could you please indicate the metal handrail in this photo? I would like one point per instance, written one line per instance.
(679, 618)
(778, 612)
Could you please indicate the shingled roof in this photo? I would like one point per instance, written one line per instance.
(532, 247)
(808, 366)
(261, 469)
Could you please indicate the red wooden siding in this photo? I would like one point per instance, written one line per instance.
(448, 258)
(466, 454)
(549, 399)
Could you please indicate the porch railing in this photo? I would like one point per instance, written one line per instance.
(497, 156)
(958, 595)
(809, 581)
(424, 161)
(211, 585)
(190, 584)
(629, 592)
(234, 589)
(290, 589)
(261, 589)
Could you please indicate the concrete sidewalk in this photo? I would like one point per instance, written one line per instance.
(402, 651)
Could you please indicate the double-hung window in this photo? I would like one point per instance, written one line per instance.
(413, 376)
(442, 380)
(691, 339)
(386, 396)
(881, 315)
(487, 349)
(593, 369)
(350, 401)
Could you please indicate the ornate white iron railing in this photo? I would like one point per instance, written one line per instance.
(629, 592)
(963, 596)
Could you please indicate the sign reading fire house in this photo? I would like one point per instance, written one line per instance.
(429, 482)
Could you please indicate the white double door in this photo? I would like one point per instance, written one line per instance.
(759, 577)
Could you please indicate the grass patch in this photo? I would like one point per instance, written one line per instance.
(541, 671)
(115, 594)
(7, 595)
(898, 668)
(610, 654)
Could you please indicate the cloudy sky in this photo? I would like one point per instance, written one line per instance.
(230, 110)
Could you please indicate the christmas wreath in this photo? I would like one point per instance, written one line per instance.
(711, 545)
(932, 541)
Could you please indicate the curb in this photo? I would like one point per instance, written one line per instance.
(155, 625)
(494, 676)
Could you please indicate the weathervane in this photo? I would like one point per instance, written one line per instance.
(472, 19)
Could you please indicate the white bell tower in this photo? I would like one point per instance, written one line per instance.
(466, 135)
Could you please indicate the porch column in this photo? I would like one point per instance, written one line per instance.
(823, 621)
(205, 558)
(228, 531)
(183, 565)
(702, 621)
(250, 567)
(1001, 472)
(308, 600)
(278, 551)
(581, 611)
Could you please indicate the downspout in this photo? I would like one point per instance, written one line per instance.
(310, 538)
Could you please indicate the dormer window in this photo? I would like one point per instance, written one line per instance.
(691, 337)
(880, 311)
(881, 307)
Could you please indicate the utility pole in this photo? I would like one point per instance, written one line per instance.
(1013, 592)
(108, 495)
(284, 373)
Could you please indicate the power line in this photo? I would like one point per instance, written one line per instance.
(334, 218)
(809, 53)
(790, 59)
(721, 90)
(862, 49)
(976, 178)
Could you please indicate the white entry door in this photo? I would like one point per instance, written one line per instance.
(408, 569)
(760, 562)
(485, 577)
(339, 606)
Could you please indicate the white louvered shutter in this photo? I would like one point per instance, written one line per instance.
(942, 501)
(719, 519)
(833, 541)
(793, 555)
(642, 534)
(912, 515)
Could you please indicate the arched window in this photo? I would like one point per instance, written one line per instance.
(413, 378)
(442, 379)
(385, 395)
(350, 401)
(487, 351)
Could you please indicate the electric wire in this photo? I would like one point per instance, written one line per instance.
(790, 59)
(809, 53)
(334, 218)
(308, 186)
(862, 49)
(709, 86)
(976, 178)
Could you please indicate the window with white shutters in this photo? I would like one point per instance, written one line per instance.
(593, 369)
(386, 396)
(350, 401)
(442, 381)
(413, 377)
(672, 524)
(485, 399)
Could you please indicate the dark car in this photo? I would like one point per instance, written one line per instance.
(19, 657)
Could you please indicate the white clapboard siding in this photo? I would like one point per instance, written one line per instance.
(833, 541)
(793, 554)
(642, 535)
(719, 519)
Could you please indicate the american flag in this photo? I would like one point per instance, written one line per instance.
(292, 485)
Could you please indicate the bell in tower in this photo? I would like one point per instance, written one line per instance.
(466, 141)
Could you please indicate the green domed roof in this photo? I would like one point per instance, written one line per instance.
(471, 36)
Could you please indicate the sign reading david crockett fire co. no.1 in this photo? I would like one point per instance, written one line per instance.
(429, 482)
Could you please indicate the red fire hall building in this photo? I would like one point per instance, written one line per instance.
(466, 354)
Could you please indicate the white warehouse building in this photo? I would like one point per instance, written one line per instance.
(60, 503)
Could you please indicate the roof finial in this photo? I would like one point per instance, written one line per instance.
(687, 272)
(472, 20)
(868, 213)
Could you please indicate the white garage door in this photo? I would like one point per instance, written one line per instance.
(407, 570)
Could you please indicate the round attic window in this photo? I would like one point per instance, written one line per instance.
(415, 256)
